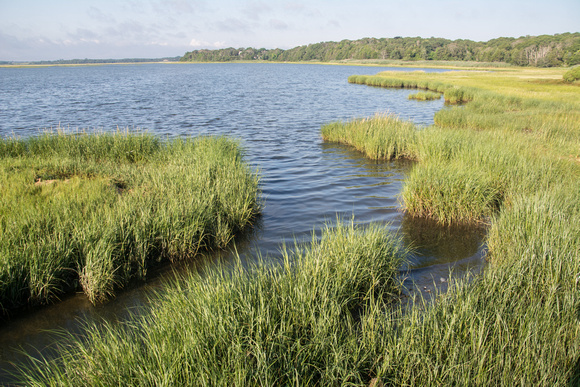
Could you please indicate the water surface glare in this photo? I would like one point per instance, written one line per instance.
(276, 110)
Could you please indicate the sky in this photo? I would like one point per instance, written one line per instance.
(115, 29)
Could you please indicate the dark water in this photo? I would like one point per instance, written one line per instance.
(276, 110)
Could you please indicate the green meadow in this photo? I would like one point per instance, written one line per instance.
(97, 211)
(505, 153)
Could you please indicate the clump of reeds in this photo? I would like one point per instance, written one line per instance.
(383, 137)
(425, 96)
(452, 193)
(508, 161)
(95, 211)
(306, 322)
(452, 94)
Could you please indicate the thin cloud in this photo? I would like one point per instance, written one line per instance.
(83, 34)
(232, 25)
(255, 9)
(334, 23)
(302, 9)
(180, 6)
(134, 7)
(294, 6)
(100, 16)
(203, 44)
(278, 24)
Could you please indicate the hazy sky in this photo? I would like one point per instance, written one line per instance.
(59, 29)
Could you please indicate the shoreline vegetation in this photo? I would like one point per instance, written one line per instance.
(95, 211)
(330, 315)
(510, 157)
(558, 50)
(538, 51)
(447, 65)
(425, 96)
(86, 62)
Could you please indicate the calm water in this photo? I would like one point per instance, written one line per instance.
(276, 110)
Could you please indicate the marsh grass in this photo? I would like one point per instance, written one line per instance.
(452, 94)
(477, 156)
(509, 161)
(95, 211)
(425, 96)
(302, 323)
(328, 317)
(382, 137)
(462, 65)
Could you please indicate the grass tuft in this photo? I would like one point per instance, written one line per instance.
(383, 137)
(303, 323)
(95, 211)
(425, 96)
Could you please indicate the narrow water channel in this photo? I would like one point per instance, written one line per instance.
(276, 110)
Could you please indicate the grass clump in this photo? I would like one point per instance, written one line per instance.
(572, 75)
(328, 317)
(425, 96)
(303, 323)
(383, 137)
(452, 94)
(508, 158)
(95, 211)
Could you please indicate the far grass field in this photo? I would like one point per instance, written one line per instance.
(508, 158)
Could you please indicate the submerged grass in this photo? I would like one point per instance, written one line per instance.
(95, 211)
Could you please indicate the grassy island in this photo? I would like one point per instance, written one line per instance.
(509, 158)
(95, 211)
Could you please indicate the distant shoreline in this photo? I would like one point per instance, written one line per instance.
(86, 61)
(38, 65)
(349, 62)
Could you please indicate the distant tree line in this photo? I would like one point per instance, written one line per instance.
(539, 51)
(91, 61)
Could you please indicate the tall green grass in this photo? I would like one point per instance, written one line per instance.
(452, 94)
(476, 156)
(383, 137)
(328, 316)
(303, 323)
(95, 211)
(425, 96)
(511, 162)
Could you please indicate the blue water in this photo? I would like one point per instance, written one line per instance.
(276, 110)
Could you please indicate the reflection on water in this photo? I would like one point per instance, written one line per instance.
(434, 244)
(440, 253)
